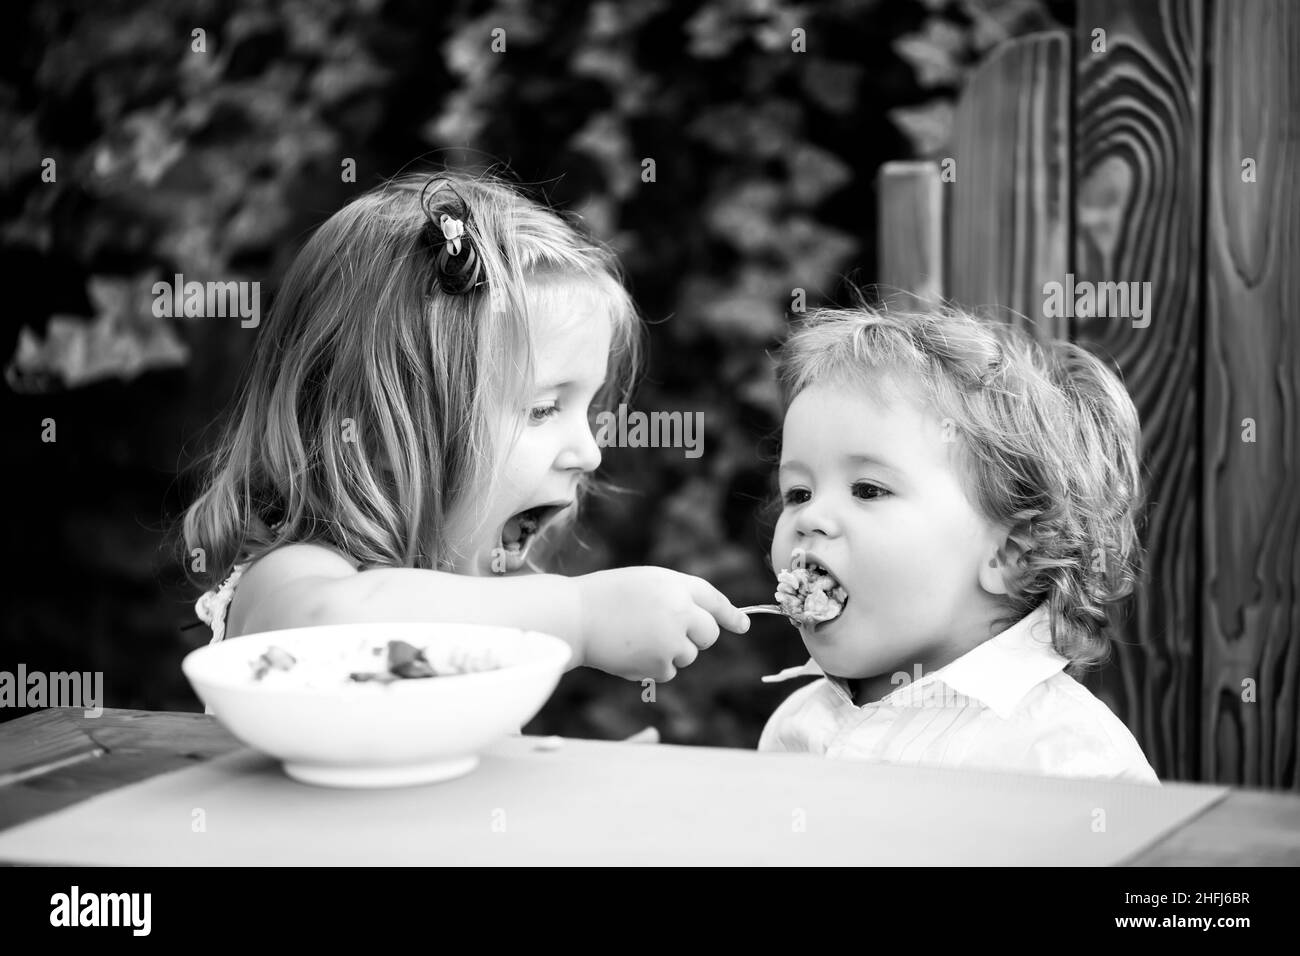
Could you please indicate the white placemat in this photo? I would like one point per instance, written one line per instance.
(594, 802)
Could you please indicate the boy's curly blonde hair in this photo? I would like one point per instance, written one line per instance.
(1047, 436)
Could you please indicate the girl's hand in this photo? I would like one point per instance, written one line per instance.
(642, 623)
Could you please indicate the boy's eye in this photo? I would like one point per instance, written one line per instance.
(867, 490)
(796, 496)
(537, 414)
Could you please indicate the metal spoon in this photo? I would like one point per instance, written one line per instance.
(762, 609)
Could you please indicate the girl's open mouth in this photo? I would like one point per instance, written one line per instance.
(519, 532)
(810, 595)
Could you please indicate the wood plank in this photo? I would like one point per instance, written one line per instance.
(46, 738)
(1251, 599)
(1138, 135)
(910, 227)
(1245, 828)
(142, 731)
(143, 744)
(1010, 219)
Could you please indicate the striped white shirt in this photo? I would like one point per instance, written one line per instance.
(1004, 705)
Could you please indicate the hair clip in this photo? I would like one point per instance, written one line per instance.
(449, 236)
(452, 230)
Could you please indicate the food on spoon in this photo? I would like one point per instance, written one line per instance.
(810, 595)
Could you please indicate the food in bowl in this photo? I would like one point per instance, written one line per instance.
(367, 663)
(810, 595)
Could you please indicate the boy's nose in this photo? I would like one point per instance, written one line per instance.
(816, 518)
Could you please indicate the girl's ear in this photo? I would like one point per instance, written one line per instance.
(1003, 564)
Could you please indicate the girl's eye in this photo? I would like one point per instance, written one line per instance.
(868, 491)
(537, 414)
(796, 496)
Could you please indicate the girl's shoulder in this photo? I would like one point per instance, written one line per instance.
(300, 559)
(227, 609)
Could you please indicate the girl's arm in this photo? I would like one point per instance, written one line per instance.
(301, 585)
(630, 622)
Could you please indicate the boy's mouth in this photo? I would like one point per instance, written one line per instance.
(519, 532)
(810, 595)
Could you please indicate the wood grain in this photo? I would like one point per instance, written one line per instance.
(1250, 604)
(910, 227)
(1246, 828)
(129, 746)
(1009, 226)
(43, 739)
(1138, 179)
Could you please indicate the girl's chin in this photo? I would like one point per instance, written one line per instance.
(501, 561)
(484, 564)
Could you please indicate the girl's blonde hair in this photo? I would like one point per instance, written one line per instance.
(1047, 437)
(366, 420)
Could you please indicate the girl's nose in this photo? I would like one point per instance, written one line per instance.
(580, 451)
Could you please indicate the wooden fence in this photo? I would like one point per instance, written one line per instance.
(1163, 149)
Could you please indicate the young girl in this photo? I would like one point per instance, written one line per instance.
(415, 419)
(958, 509)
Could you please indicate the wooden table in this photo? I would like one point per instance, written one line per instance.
(58, 757)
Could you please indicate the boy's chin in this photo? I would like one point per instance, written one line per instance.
(829, 635)
(837, 656)
(844, 670)
(864, 678)
(836, 663)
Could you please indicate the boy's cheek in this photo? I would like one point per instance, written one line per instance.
(782, 545)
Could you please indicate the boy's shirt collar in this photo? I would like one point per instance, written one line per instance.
(998, 673)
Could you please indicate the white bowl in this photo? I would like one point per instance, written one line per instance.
(378, 735)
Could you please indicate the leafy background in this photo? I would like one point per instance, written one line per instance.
(218, 164)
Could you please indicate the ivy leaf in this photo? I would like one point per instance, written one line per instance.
(123, 341)
(815, 253)
(832, 84)
(935, 53)
(601, 214)
(140, 149)
(778, 33)
(997, 20)
(815, 173)
(713, 32)
(747, 216)
(747, 310)
(609, 20)
(258, 223)
(738, 130)
(928, 127)
(604, 138)
(461, 120)
(761, 391)
(349, 72)
(22, 146)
